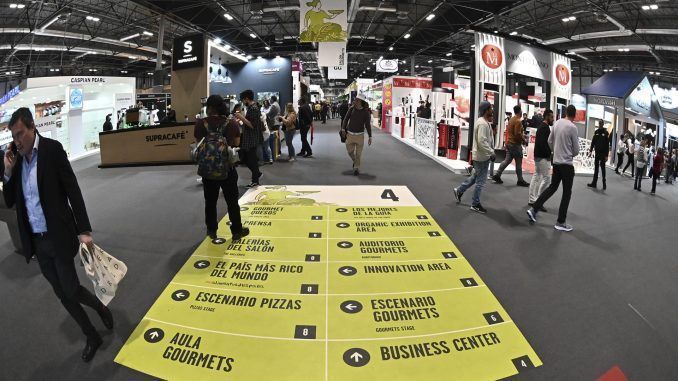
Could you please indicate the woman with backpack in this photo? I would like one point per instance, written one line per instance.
(641, 156)
(216, 168)
(289, 122)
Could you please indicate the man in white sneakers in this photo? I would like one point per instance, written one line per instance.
(483, 153)
(564, 141)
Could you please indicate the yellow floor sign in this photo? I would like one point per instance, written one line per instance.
(333, 283)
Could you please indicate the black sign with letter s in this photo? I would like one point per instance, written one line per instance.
(189, 52)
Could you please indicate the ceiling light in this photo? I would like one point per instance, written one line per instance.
(92, 18)
(657, 73)
(390, 49)
(430, 17)
(258, 57)
(50, 22)
(417, 66)
(217, 40)
(278, 57)
(228, 17)
(430, 61)
(123, 71)
(651, 73)
(566, 19)
(448, 54)
(572, 18)
(135, 35)
(148, 33)
(13, 6)
(267, 48)
(406, 36)
(149, 73)
(253, 35)
(7, 73)
(654, 7)
(513, 33)
(645, 7)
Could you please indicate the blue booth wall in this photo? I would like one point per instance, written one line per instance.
(258, 75)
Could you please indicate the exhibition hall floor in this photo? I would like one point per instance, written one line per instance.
(603, 296)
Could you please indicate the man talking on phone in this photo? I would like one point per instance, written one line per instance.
(52, 219)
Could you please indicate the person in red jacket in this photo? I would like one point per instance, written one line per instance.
(657, 166)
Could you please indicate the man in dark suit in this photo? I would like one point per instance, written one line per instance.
(52, 219)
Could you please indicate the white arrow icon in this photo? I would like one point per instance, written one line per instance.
(346, 271)
(154, 335)
(179, 295)
(356, 356)
(202, 264)
(351, 307)
(344, 244)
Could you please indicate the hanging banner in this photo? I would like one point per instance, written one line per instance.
(640, 99)
(668, 99)
(527, 60)
(333, 283)
(331, 54)
(337, 72)
(323, 21)
(561, 76)
(490, 59)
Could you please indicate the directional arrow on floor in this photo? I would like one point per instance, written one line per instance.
(343, 225)
(347, 270)
(351, 307)
(201, 264)
(180, 295)
(345, 244)
(356, 357)
(154, 335)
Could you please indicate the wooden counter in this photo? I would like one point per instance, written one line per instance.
(158, 145)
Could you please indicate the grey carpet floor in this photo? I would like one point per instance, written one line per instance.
(603, 295)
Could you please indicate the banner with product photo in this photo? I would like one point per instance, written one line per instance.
(323, 21)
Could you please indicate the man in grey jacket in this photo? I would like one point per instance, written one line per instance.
(483, 152)
(564, 141)
(274, 127)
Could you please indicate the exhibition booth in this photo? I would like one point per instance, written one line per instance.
(71, 110)
(628, 104)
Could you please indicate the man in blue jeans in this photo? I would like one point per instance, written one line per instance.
(483, 153)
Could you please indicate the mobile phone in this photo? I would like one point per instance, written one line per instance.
(12, 148)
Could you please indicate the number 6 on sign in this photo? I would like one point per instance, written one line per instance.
(389, 195)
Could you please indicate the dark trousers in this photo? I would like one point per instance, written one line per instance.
(620, 161)
(305, 147)
(324, 117)
(211, 192)
(513, 152)
(655, 177)
(252, 162)
(630, 163)
(599, 163)
(639, 177)
(61, 274)
(564, 173)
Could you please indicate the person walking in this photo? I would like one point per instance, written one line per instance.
(564, 141)
(630, 153)
(670, 166)
(274, 127)
(251, 135)
(305, 124)
(317, 108)
(482, 153)
(601, 144)
(217, 125)
(108, 126)
(514, 149)
(657, 167)
(52, 218)
(355, 124)
(641, 155)
(289, 122)
(324, 111)
(542, 160)
(621, 149)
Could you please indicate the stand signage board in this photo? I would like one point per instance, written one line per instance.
(10, 94)
(561, 76)
(387, 66)
(527, 60)
(189, 52)
(333, 283)
(337, 72)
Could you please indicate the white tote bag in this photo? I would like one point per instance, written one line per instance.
(104, 270)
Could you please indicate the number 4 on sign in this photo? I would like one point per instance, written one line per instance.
(388, 194)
